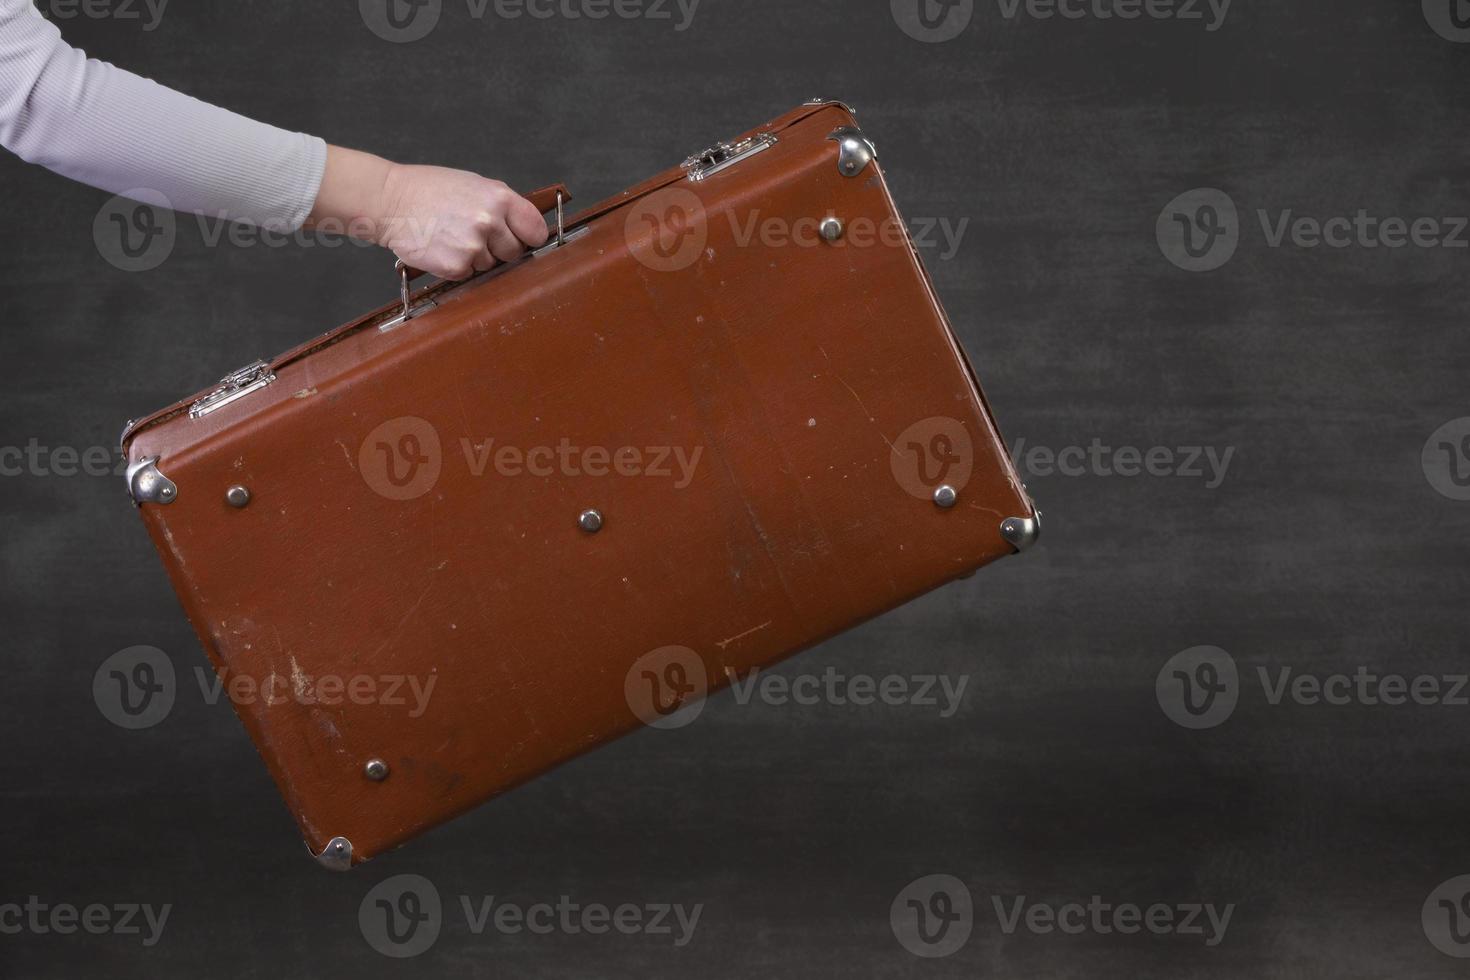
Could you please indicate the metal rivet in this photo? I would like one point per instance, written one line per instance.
(946, 496)
(376, 770)
(831, 229)
(237, 496)
(590, 521)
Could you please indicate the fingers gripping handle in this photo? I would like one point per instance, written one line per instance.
(546, 199)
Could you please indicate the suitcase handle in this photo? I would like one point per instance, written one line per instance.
(546, 199)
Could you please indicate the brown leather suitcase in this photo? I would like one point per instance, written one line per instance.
(719, 418)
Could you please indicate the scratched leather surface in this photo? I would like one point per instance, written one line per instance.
(792, 371)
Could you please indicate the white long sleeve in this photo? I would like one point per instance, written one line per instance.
(114, 130)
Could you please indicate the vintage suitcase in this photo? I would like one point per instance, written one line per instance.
(719, 418)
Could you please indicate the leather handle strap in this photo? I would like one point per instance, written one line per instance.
(546, 199)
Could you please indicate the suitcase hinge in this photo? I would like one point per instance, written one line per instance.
(1021, 532)
(855, 151)
(721, 156)
(148, 485)
(336, 856)
(233, 387)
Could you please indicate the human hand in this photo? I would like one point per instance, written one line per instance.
(453, 223)
(450, 223)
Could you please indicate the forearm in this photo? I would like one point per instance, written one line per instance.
(354, 195)
(125, 134)
(117, 131)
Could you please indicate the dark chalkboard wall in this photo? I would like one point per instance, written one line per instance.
(1243, 441)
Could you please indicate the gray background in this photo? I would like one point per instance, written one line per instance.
(1324, 549)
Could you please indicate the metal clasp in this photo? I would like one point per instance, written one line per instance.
(707, 163)
(233, 387)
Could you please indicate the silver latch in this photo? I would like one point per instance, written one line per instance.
(233, 387)
(722, 155)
